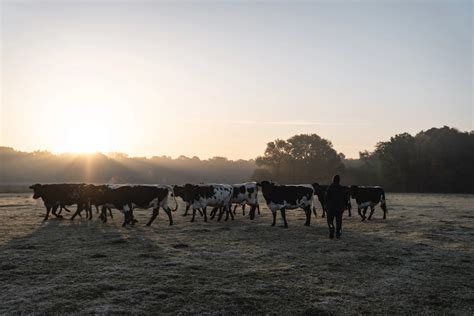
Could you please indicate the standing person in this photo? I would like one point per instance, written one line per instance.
(335, 206)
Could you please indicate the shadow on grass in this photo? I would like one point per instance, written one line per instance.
(239, 267)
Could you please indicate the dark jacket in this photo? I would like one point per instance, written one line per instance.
(335, 198)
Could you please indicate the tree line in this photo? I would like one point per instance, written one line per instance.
(439, 160)
(18, 167)
(436, 160)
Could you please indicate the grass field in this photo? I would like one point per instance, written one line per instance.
(419, 260)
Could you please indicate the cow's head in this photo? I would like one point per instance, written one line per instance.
(178, 191)
(267, 186)
(37, 190)
(190, 192)
(315, 186)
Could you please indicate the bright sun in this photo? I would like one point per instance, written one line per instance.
(86, 138)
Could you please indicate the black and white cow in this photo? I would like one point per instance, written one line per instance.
(60, 195)
(320, 192)
(368, 197)
(179, 192)
(126, 198)
(200, 196)
(287, 197)
(245, 194)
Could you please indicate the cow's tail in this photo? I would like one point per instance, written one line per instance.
(383, 203)
(174, 198)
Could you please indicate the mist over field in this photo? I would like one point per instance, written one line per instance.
(436, 160)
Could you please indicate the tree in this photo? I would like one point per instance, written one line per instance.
(304, 158)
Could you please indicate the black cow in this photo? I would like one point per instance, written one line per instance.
(60, 195)
(320, 192)
(283, 197)
(126, 198)
(368, 196)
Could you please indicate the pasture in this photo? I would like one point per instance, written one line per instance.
(419, 260)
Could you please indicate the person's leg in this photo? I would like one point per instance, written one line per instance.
(339, 224)
(330, 220)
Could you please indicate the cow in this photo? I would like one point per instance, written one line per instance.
(200, 196)
(245, 193)
(287, 197)
(368, 196)
(92, 195)
(60, 195)
(179, 192)
(320, 192)
(126, 198)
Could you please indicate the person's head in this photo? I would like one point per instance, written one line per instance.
(336, 179)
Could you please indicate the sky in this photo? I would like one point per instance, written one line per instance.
(208, 79)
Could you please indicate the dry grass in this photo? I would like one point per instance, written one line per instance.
(419, 260)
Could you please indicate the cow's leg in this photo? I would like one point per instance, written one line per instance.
(221, 212)
(60, 210)
(204, 212)
(283, 215)
(153, 216)
(97, 209)
(125, 219)
(127, 215)
(227, 213)
(55, 208)
(258, 208)
(103, 214)
(78, 212)
(274, 214)
(89, 210)
(243, 209)
(200, 212)
(48, 209)
(372, 209)
(133, 218)
(170, 217)
(307, 211)
(235, 208)
(314, 212)
(187, 209)
(365, 212)
(213, 212)
(358, 211)
(230, 211)
(110, 212)
(194, 215)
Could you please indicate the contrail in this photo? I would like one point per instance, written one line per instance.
(248, 122)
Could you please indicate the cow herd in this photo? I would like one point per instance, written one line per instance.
(198, 198)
